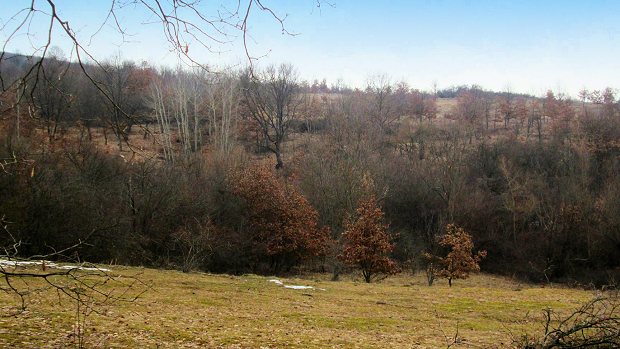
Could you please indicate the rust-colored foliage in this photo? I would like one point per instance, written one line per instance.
(560, 111)
(367, 243)
(520, 110)
(550, 105)
(504, 107)
(460, 261)
(281, 220)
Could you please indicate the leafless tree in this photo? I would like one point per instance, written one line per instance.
(188, 89)
(89, 107)
(444, 176)
(223, 96)
(195, 243)
(383, 101)
(159, 103)
(52, 97)
(517, 200)
(122, 102)
(535, 119)
(194, 104)
(271, 99)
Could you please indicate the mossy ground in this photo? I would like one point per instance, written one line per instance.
(220, 311)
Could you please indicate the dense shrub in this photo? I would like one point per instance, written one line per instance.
(283, 225)
(367, 244)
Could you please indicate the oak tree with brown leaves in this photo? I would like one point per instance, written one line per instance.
(367, 243)
(460, 261)
(284, 225)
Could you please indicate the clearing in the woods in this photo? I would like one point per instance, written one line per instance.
(220, 311)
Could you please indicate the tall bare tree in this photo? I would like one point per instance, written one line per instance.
(159, 103)
(52, 97)
(180, 102)
(382, 106)
(120, 104)
(188, 91)
(271, 98)
(223, 107)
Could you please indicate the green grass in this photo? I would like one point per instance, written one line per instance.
(220, 311)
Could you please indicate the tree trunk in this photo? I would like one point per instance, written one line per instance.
(430, 274)
(17, 116)
(279, 162)
(367, 276)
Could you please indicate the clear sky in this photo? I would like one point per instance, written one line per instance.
(523, 46)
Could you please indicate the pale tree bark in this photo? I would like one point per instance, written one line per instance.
(159, 103)
(177, 100)
(223, 101)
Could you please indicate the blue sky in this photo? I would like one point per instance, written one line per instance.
(522, 46)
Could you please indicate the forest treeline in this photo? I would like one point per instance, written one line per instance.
(257, 171)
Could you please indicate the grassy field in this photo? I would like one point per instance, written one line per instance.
(220, 311)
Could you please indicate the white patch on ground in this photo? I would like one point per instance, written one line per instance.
(294, 287)
(48, 264)
(298, 287)
(68, 267)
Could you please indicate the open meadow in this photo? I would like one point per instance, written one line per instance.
(220, 311)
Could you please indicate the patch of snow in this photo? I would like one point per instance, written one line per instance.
(68, 267)
(6, 263)
(294, 287)
(48, 264)
(298, 287)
